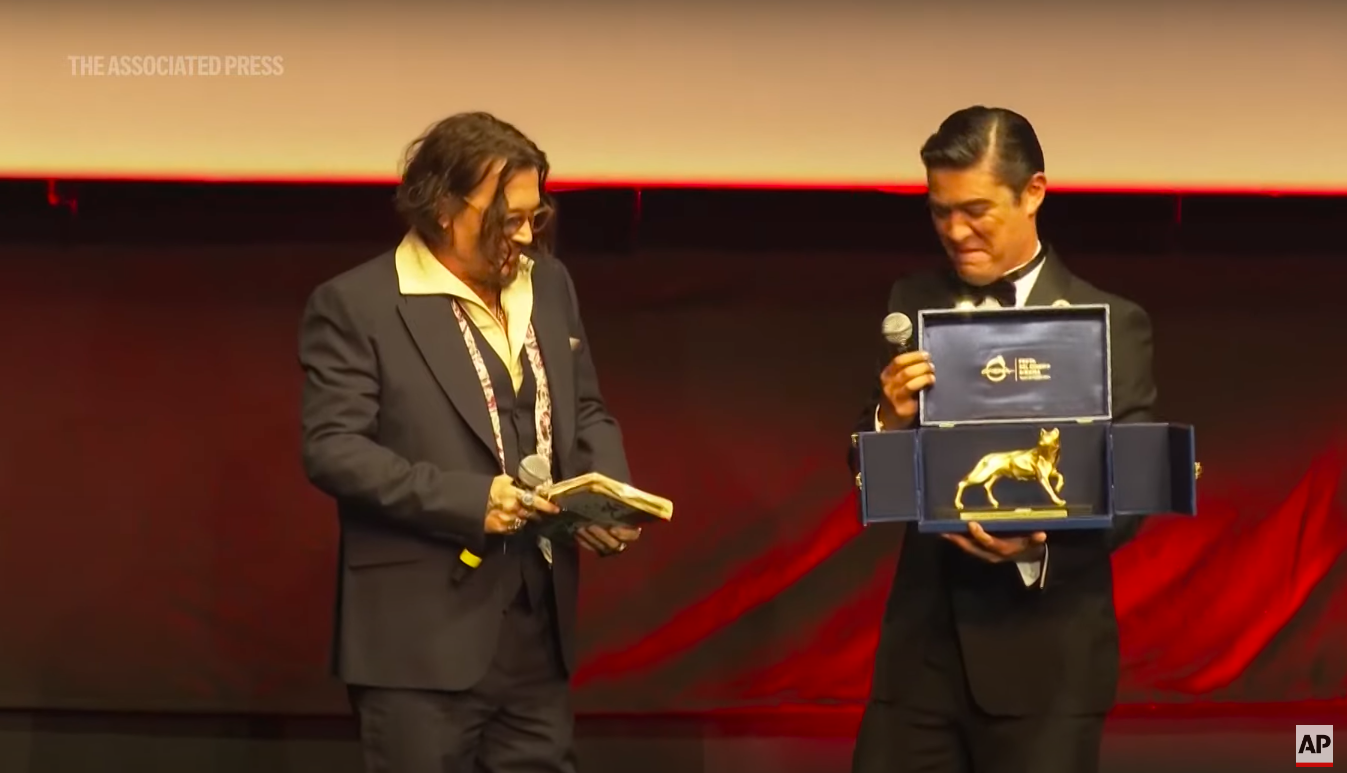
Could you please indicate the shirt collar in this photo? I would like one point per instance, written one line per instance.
(1025, 284)
(421, 273)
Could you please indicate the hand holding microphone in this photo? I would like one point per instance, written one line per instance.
(534, 473)
(509, 507)
(904, 377)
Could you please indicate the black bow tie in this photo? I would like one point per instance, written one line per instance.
(1003, 289)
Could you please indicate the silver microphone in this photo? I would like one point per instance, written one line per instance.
(898, 332)
(534, 472)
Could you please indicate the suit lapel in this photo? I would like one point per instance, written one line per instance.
(943, 294)
(1053, 283)
(434, 329)
(550, 326)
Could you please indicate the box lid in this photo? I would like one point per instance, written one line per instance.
(1037, 363)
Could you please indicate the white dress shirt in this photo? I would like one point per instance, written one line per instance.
(1032, 572)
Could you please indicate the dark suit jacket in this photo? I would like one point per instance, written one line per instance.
(1026, 650)
(396, 429)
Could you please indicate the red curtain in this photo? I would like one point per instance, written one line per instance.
(162, 549)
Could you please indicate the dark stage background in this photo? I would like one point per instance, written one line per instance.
(162, 551)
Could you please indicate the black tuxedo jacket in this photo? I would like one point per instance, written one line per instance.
(1026, 650)
(396, 430)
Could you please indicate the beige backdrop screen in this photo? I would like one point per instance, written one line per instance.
(1193, 95)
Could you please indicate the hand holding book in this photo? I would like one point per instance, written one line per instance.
(595, 502)
(606, 540)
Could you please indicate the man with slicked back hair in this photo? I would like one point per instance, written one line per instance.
(997, 654)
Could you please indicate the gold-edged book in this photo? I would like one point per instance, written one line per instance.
(598, 499)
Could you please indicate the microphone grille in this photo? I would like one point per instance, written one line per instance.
(897, 328)
(534, 471)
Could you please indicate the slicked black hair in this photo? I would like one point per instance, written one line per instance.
(967, 137)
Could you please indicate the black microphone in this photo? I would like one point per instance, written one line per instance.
(534, 472)
(898, 332)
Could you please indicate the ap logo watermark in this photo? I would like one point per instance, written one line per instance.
(1314, 746)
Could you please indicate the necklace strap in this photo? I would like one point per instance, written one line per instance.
(542, 408)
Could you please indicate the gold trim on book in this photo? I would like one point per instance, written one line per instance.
(598, 483)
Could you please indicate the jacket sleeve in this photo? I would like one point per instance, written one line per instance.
(340, 419)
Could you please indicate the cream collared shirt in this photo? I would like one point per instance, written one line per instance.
(421, 273)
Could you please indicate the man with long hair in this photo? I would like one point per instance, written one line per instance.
(431, 372)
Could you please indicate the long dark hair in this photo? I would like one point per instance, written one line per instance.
(450, 160)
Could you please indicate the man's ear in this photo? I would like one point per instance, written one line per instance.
(1034, 193)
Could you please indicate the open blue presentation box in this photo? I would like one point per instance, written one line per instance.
(1017, 432)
